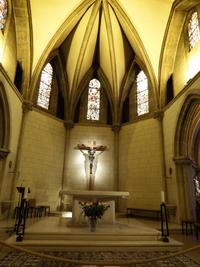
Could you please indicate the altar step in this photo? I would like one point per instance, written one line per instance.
(92, 236)
(53, 233)
(103, 245)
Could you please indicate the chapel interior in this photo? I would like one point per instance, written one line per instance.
(122, 75)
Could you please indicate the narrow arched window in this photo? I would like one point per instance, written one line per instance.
(93, 105)
(193, 30)
(3, 13)
(45, 86)
(142, 93)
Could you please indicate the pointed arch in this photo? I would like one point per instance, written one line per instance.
(45, 87)
(187, 131)
(83, 87)
(142, 93)
(94, 99)
(193, 30)
(23, 28)
(188, 126)
(176, 22)
(57, 40)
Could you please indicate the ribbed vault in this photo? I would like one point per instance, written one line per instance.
(98, 36)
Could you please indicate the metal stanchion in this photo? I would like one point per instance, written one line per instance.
(164, 223)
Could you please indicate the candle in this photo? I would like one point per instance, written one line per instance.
(162, 196)
(25, 193)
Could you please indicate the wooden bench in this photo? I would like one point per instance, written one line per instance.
(148, 213)
(197, 229)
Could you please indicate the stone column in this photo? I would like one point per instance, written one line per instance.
(185, 172)
(159, 116)
(68, 126)
(116, 128)
(26, 107)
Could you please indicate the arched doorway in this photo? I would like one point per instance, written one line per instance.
(187, 155)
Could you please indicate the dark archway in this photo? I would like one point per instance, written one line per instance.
(186, 140)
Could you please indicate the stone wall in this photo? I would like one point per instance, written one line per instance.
(7, 165)
(41, 160)
(169, 125)
(140, 166)
(75, 171)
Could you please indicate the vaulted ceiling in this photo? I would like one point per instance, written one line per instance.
(101, 33)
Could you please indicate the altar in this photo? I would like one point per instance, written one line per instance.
(92, 195)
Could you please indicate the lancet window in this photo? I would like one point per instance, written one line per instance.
(142, 93)
(45, 86)
(93, 105)
(193, 30)
(3, 13)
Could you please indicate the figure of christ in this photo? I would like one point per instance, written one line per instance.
(197, 186)
(90, 163)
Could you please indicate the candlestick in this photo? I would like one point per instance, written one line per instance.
(162, 196)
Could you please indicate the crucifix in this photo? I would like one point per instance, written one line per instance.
(91, 158)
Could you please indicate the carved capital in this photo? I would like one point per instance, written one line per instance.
(68, 124)
(159, 114)
(27, 106)
(116, 127)
(183, 160)
(3, 153)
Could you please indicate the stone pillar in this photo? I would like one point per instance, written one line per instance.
(116, 128)
(68, 126)
(159, 116)
(185, 171)
(26, 107)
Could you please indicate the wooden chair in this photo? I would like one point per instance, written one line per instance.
(32, 209)
(187, 224)
(43, 210)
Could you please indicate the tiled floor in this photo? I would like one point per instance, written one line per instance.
(188, 241)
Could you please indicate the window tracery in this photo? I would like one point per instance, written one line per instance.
(142, 93)
(93, 105)
(3, 13)
(45, 86)
(193, 30)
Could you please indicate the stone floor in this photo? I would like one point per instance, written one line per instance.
(48, 225)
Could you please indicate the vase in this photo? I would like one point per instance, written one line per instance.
(93, 223)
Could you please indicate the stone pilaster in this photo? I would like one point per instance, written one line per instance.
(68, 126)
(116, 129)
(159, 115)
(185, 171)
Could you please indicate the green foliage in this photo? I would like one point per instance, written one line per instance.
(94, 210)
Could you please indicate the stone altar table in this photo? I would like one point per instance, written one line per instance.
(87, 195)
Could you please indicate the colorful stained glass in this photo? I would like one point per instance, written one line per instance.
(93, 108)
(3, 13)
(45, 86)
(193, 30)
(142, 94)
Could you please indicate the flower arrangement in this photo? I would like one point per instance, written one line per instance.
(94, 210)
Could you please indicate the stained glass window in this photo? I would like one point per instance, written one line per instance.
(93, 108)
(3, 13)
(193, 30)
(45, 86)
(142, 93)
